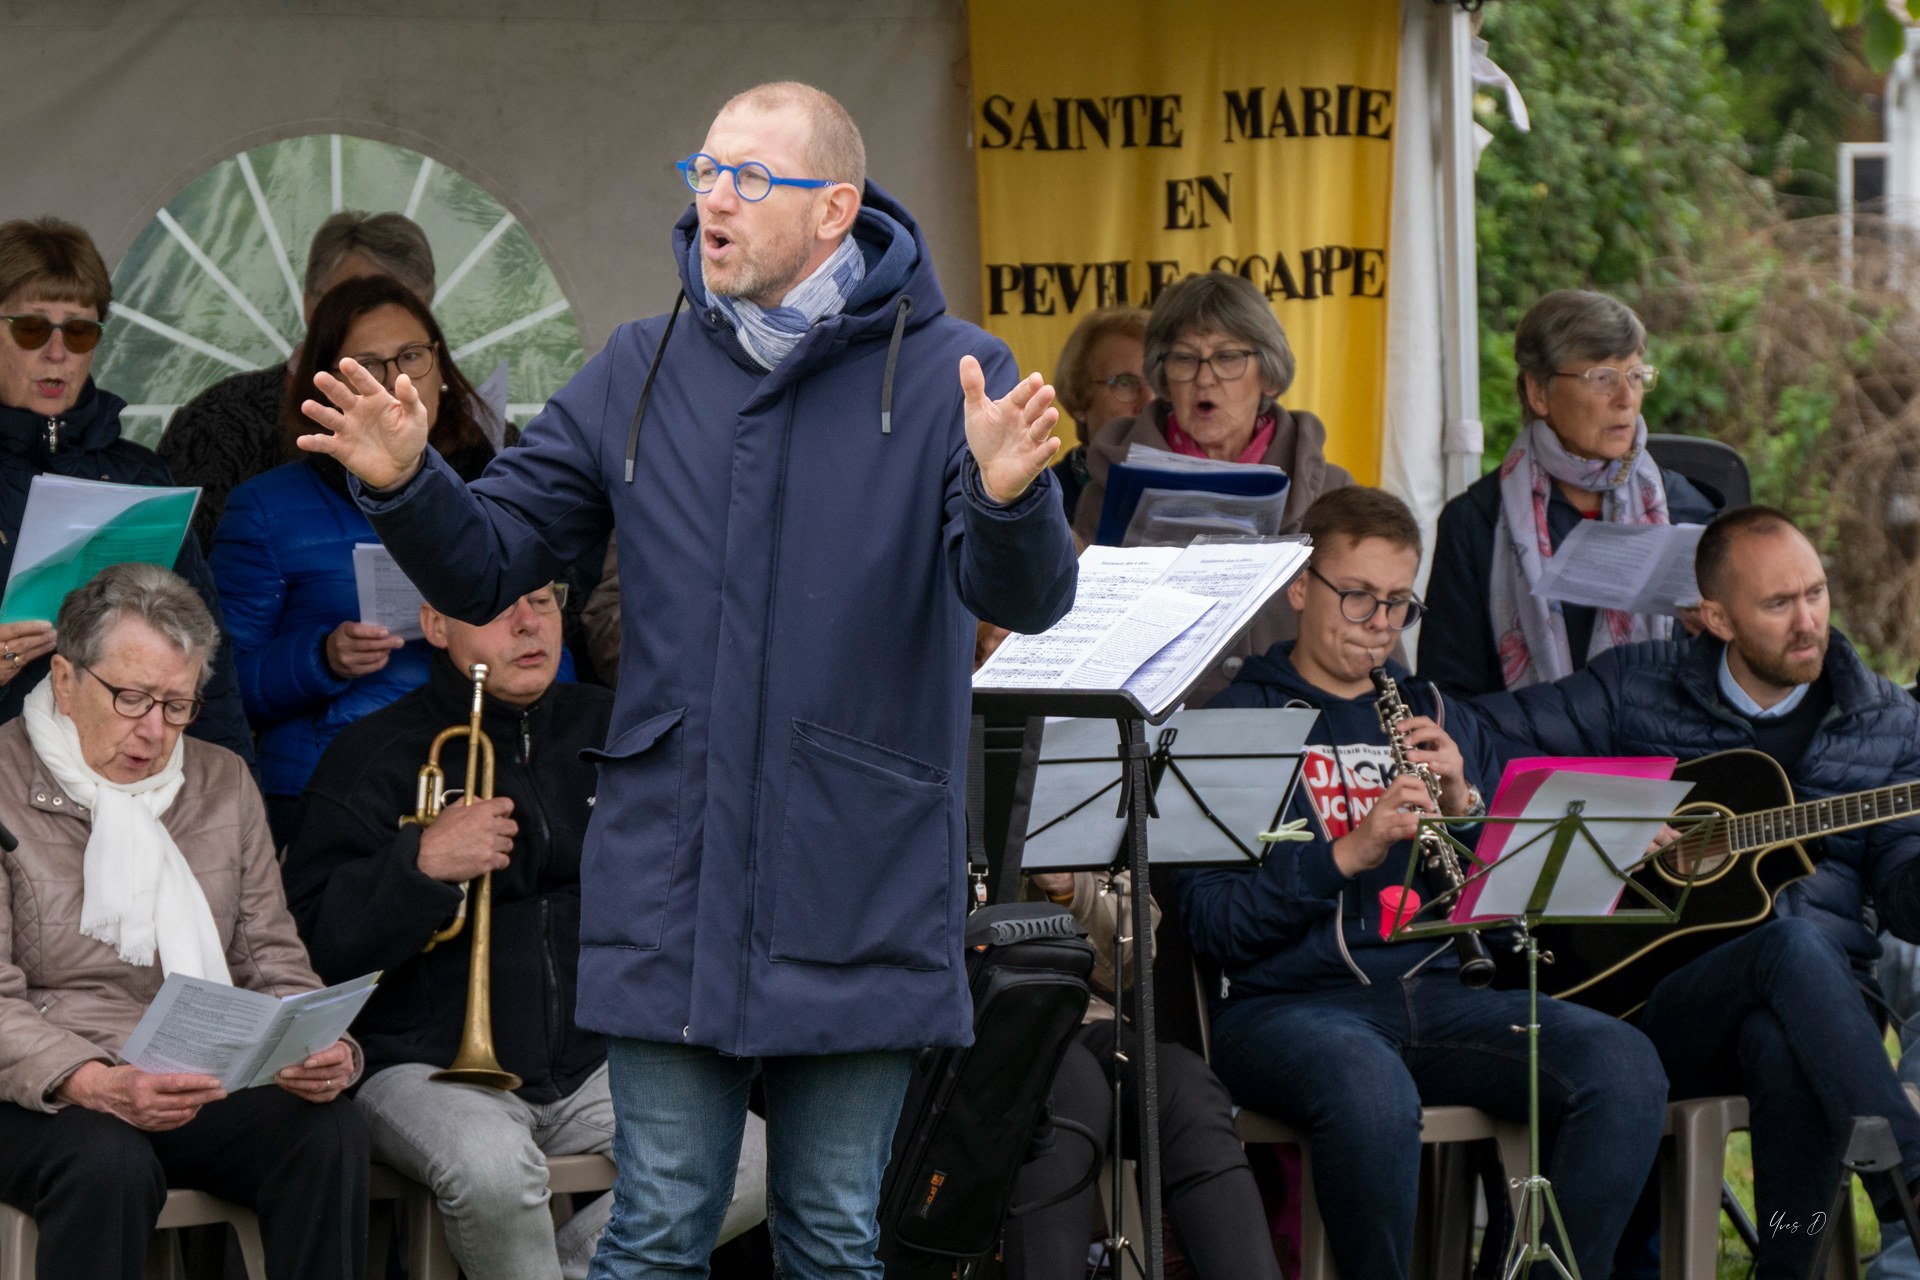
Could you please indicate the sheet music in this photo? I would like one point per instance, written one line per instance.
(1111, 579)
(1587, 885)
(1243, 576)
(1150, 624)
(241, 1036)
(387, 596)
(1639, 568)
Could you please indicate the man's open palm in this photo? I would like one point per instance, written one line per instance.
(1012, 437)
(378, 435)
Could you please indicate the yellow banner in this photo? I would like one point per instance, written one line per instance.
(1126, 145)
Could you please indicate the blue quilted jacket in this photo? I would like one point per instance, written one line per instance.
(1662, 698)
(283, 559)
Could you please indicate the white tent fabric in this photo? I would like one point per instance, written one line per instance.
(571, 112)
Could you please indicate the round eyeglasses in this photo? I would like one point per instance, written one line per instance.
(1604, 380)
(415, 361)
(753, 180)
(134, 703)
(1358, 606)
(1125, 385)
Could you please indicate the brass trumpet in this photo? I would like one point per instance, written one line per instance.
(475, 1063)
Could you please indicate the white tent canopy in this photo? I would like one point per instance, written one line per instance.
(569, 113)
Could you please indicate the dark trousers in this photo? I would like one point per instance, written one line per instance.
(1353, 1067)
(94, 1185)
(1777, 1015)
(1209, 1189)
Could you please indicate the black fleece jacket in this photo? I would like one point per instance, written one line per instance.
(362, 903)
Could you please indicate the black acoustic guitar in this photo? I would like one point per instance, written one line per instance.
(1737, 867)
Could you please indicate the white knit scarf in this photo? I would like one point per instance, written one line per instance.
(138, 891)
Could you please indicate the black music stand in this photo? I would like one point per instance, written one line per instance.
(1105, 842)
(1568, 839)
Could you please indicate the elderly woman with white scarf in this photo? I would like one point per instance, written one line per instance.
(143, 852)
(1582, 455)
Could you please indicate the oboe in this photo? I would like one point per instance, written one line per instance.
(1476, 965)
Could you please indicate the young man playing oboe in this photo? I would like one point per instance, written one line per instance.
(1320, 1019)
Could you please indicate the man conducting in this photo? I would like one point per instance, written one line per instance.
(1776, 1013)
(369, 897)
(811, 511)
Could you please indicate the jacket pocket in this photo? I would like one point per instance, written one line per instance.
(863, 877)
(627, 866)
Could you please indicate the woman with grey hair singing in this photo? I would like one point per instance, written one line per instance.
(1219, 362)
(1582, 455)
(144, 853)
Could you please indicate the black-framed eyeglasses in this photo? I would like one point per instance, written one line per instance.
(753, 180)
(415, 360)
(32, 332)
(1358, 606)
(1184, 366)
(1125, 384)
(135, 703)
(1604, 380)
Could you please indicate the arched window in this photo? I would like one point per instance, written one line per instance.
(212, 285)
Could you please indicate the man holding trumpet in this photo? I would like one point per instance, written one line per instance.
(369, 896)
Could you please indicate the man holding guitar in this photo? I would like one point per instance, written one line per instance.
(1758, 988)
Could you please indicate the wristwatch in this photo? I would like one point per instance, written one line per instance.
(1476, 803)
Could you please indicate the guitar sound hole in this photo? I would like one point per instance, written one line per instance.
(1689, 858)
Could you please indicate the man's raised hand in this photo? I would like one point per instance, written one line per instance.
(378, 435)
(1012, 437)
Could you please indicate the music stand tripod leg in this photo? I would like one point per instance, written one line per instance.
(1536, 1193)
(1135, 755)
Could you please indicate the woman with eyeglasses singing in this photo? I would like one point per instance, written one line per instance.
(54, 295)
(1582, 455)
(1219, 362)
(283, 552)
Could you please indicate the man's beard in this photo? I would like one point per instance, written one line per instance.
(779, 270)
(1779, 670)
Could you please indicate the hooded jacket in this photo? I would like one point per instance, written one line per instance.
(1662, 697)
(355, 886)
(776, 863)
(1295, 924)
(85, 444)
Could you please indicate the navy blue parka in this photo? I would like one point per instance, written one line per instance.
(776, 859)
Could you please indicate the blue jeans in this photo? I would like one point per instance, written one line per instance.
(678, 1116)
(1355, 1066)
(1777, 1015)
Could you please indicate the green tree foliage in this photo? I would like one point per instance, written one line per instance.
(1798, 88)
(1633, 168)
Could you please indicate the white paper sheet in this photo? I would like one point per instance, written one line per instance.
(242, 1037)
(1111, 578)
(1586, 886)
(387, 596)
(1639, 568)
(1243, 576)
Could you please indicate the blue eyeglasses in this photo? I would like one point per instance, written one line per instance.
(753, 180)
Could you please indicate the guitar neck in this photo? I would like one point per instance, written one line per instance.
(1764, 828)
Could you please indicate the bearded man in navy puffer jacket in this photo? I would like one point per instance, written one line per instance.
(1777, 1013)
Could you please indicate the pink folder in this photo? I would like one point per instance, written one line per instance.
(1519, 782)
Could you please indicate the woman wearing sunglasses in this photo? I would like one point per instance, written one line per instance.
(54, 295)
(1582, 455)
(283, 551)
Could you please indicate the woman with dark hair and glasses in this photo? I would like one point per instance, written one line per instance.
(1582, 455)
(1219, 362)
(283, 552)
(54, 295)
(142, 855)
